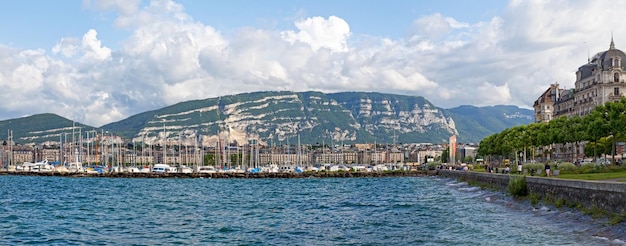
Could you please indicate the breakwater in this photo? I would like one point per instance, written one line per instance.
(226, 175)
(605, 195)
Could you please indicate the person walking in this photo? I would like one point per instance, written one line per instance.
(547, 169)
(519, 167)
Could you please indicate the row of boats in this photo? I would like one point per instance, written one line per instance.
(77, 167)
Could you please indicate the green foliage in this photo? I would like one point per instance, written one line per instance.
(444, 155)
(595, 212)
(517, 186)
(589, 168)
(616, 219)
(533, 166)
(559, 203)
(567, 167)
(209, 159)
(534, 199)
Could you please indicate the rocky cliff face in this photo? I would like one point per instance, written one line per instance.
(395, 114)
(280, 117)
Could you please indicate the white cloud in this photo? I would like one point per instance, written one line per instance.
(68, 47)
(90, 47)
(491, 94)
(93, 48)
(169, 57)
(321, 33)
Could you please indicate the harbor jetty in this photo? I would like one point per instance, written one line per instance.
(227, 175)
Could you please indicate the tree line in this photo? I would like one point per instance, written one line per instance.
(598, 131)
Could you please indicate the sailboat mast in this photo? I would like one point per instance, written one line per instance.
(164, 143)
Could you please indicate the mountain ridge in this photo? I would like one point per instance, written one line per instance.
(284, 116)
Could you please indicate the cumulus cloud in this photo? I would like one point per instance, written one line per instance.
(90, 47)
(331, 33)
(169, 57)
(93, 48)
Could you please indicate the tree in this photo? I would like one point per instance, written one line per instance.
(597, 127)
(615, 116)
(577, 128)
(444, 155)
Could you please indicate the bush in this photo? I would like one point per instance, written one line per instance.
(533, 166)
(517, 186)
(589, 168)
(534, 199)
(614, 168)
(567, 167)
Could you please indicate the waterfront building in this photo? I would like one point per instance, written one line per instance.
(425, 155)
(350, 156)
(544, 105)
(599, 81)
(23, 154)
(395, 156)
(564, 105)
(464, 152)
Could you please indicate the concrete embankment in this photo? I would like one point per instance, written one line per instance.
(230, 175)
(605, 195)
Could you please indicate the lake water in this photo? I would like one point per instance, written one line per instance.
(309, 211)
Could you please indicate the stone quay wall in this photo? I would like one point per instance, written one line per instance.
(608, 196)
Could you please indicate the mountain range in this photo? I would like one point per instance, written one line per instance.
(281, 117)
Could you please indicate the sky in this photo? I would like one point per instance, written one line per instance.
(101, 61)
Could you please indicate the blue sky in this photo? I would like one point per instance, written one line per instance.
(100, 61)
(40, 24)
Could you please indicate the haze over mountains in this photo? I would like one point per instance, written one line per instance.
(281, 117)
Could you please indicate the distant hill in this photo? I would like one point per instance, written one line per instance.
(40, 128)
(281, 116)
(475, 123)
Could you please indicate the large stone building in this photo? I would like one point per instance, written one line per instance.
(599, 81)
(544, 105)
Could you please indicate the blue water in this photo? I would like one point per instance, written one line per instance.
(310, 211)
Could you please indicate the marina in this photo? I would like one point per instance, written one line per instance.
(211, 173)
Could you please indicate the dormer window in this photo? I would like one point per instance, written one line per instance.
(616, 77)
(616, 62)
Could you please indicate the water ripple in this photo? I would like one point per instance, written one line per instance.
(357, 211)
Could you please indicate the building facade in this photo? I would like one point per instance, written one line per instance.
(599, 81)
(544, 105)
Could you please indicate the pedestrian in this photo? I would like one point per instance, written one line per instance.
(519, 167)
(548, 169)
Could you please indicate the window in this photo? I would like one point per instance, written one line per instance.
(616, 77)
(616, 62)
(616, 91)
